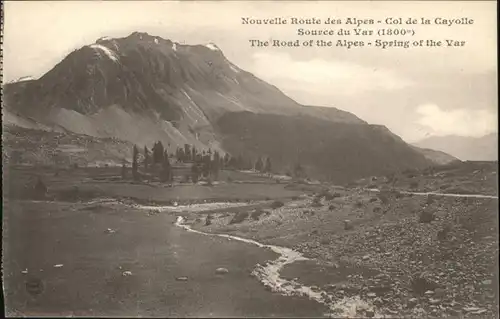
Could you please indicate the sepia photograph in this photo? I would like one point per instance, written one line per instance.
(251, 159)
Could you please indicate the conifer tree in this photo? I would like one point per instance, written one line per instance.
(135, 155)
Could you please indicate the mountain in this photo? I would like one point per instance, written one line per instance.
(483, 148)
(142, 88)
(437, 157)
(339, 152)
(167, 91)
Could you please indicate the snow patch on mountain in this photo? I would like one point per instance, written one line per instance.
(234, 68)
(174, 46)
(156, 41)
(109, 53)
(212, 47)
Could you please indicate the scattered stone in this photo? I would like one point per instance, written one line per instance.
(331, 287)
(366, 257)
(58, 266)
(348, 225)
(221, 271)
(433, 301)
(371, 295)
(439, 292)
(429, 293)
(369, 313)
(183, 278)
(127, 273)
(110, 231)
(24, 271)
(487, 282)
(412, 302)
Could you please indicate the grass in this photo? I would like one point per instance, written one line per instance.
(82, 184)
(39, 235)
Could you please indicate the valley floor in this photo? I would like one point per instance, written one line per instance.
(98, 246)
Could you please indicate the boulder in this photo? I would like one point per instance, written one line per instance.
(348, 225)
(221, 271)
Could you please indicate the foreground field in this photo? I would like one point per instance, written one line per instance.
(79, 266)
(98, 245)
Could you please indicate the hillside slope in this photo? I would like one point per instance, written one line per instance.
(437, 157)
(340, 152)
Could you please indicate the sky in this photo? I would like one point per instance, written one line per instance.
(416, 92)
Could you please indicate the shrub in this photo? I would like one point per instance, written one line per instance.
(331, 207)
(229, 179)
(316, 202)
(414, 185)
(383, 198)
(377, 209)
(443, 233)
(238, 217)
(373, 199)
(277, 204)
(348, 225)
(426, 216)
(208, 220)
(256, 214)
(358, 204)
(295, 197)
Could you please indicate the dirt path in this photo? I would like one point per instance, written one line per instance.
(439, 194)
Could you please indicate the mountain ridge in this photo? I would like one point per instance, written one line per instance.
(142, 88)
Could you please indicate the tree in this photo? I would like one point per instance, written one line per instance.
(195, 173)
(158, 152)
(15, 157)
(206, 166)
(215, 167)
(227, 158)
(135, 155)
(166, 172)
(259, 165)
(124, 169)
(187, 152)
(146, 158)
(193, 154)
(298, 170)
(267, 168)
(240, 164)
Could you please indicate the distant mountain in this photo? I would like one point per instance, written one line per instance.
(483, 148)
(437, 157)
(142, 88)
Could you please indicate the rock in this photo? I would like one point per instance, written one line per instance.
(486, 282)
(183, 278)
(127, 273)
(429, 293)
(471, 309)
(348, 225)
(221, 271)
(331, 287)
(439, 292)
(369, 313)
(480, 311)
(366, 257)
(371, 294)
(412, 302)
(433, 301)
